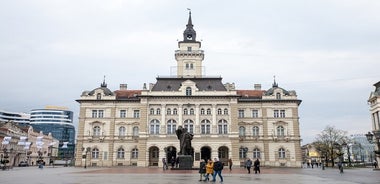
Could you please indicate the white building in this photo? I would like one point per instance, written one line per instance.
(137, 127)
(374, 103)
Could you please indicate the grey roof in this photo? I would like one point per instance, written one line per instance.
(203, 84)
(103, 86)
(275, 86)
(106, 91)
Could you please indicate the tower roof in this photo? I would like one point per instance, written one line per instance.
(189, 35)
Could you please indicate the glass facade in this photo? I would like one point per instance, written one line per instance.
(60, 124)
(19, 118)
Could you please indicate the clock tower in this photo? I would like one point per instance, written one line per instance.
(189, 56)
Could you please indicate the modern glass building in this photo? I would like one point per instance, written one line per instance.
(60, 123)
(16, 117)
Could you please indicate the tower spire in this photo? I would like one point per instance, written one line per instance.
(104, 84)
(189, 22)
(274, 82)
(189, 34)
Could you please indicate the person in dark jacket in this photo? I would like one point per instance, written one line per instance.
(218, 167)
(256, 166)
(202, 169)
(248, 165)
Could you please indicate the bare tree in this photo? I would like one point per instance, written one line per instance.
(329, 143)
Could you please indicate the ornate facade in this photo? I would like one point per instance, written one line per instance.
(25, 144)
(137, 127)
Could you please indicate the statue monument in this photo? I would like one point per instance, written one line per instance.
(185, 157)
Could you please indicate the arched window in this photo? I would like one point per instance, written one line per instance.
(225, 111)
(188, 91)
(95, 153)
(191, 111)
(208, 111)
(154, 126)
(135, 153)
(175, 111)
(191, 66)
(158, 111)
(256, 153)
(171, 126)
(151, 111)
(189, 124)
(278, 96)
(219, 111)
(96, 130)
(187, 66)
(135, 131)
(168, 111)
(222, 127)
(120, 153)
(243, 152)
(121, 131)
(281, 153)
(280, 131)
(241, 131)
(185, 111)
(98, 96)
(255, 131)
(202, 111)
(205, 126)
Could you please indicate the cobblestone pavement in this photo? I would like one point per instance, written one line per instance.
(139, 175)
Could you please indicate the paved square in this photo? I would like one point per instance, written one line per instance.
(138, 175)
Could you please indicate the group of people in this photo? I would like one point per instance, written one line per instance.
(256, 165)
(213, 168)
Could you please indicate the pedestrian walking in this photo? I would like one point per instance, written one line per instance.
(248, 165)
(340, 167)
(218, 167)
(256, 166)
(202, 170)
(172, 161)
(164, 164)
(209, 169)
(375, 164)
(230, 164)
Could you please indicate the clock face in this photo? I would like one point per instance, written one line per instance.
(189, 36)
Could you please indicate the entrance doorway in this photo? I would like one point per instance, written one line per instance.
(171, 153)
(223, 154)
(206, 153)
(153, 156)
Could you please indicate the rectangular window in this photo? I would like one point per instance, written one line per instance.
(94, 113)
(255, 113)
(282, 113)
(105, 155)
(275, 114)
(189, 49)
(100, 113)
(241, 113)
(136, 114)
(123, 113)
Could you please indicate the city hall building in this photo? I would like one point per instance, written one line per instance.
(129, 127)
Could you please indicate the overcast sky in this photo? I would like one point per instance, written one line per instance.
(327, 51)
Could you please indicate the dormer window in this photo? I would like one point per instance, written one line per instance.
(278, 96)
(188, 91)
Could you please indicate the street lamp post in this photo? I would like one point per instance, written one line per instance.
(348, 152)
(374, 136)
(85, 156)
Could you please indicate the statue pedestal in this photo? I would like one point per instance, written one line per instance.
(185, 162)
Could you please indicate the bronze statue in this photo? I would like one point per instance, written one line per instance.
(184, 140)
